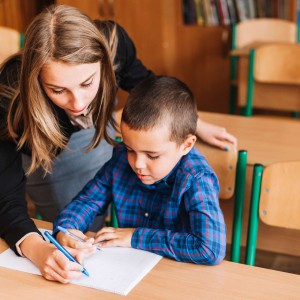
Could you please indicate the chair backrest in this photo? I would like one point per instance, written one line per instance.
(224, 164)
(274, 199)
(280, 195)
(266, 31)
(277, 63)
(10, 41)
(250, 34)
(274, 77)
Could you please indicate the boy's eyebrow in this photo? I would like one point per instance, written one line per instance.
(61, 87)
(146, 151)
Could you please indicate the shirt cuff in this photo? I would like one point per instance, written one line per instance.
(21, 240)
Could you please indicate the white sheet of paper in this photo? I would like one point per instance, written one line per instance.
(115, 270)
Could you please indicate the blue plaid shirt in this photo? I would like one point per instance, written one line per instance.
(178, 216)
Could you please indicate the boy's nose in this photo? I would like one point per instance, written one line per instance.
(139, 163)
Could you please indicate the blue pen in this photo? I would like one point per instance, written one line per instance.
(63, 250)
(74, 236)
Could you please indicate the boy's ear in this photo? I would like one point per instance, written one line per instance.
(188, 143)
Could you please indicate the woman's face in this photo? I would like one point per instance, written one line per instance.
(71, 87)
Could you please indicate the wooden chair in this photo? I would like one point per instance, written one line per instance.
(273, 78)
(11, 41)
(249, 34)
(230, 167)
(274, 200)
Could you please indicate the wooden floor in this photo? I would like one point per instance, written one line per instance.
(274, 261)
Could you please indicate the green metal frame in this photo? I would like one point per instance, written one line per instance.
(113, 215)
(240, 183)
(247, 111)
(233, 72)
(254, 215)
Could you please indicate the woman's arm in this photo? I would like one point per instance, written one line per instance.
(131, 70)
(14, 220)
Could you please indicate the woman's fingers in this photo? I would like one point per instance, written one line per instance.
(59, 268)
(81, 254)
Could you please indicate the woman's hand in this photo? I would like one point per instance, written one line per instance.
(52, 263)
(114, 237)
(214, 135)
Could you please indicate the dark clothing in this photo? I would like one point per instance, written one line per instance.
(14, 220)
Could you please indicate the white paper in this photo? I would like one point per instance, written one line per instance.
(115, 270)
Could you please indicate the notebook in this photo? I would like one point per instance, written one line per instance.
(117, 270)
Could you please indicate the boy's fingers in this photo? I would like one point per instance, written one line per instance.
(103, 231)
(110, 243)
(106, 236)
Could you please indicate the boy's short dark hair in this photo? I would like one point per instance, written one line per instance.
(162, 99)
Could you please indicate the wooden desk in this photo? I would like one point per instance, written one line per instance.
(267, 140)
(168, 280)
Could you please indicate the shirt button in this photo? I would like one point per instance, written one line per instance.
(146, 215)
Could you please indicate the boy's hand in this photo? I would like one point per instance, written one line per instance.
(86, 248)
(114, 237)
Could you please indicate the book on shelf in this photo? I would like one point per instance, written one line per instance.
(228, 12)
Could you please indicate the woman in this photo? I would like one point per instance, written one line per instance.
(57, 100)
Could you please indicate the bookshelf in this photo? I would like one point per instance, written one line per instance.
(229, 12)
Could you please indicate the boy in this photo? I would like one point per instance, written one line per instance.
(164, 191)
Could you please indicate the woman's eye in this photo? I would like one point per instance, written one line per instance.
(86, 85)
(129, 150)
(58, 92)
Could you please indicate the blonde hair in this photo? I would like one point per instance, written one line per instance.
(60, 33)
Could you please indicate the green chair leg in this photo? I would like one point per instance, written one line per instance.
(113, 217)
(240, 184)
(253, 215)
(247, 111)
